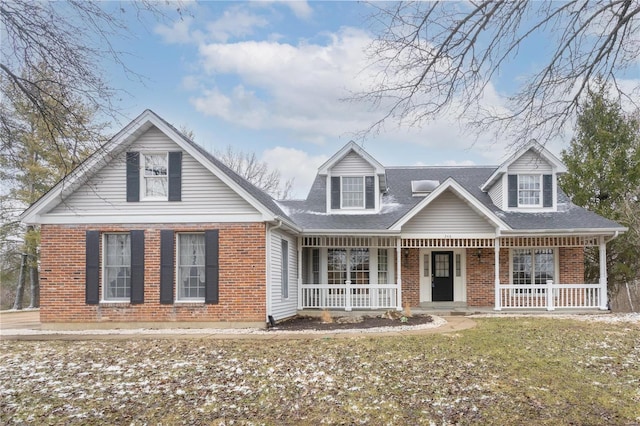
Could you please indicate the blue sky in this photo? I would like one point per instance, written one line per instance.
(270, 78)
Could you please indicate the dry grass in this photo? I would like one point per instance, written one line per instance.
(325, 317)
(506, 371)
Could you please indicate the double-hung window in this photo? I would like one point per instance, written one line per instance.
(529, 190)
(352, 192)
(117, 267)
(191, 267)
(155, 176)
(533, 266)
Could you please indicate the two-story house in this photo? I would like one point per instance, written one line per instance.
(152, 228)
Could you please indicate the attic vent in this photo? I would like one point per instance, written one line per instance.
(420, 188)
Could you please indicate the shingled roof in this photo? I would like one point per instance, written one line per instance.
(310, 214)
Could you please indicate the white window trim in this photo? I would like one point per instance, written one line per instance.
(103, 270)
(556, 261)
(143, 177)
(364, 194)
(541, 191)
(178, 299)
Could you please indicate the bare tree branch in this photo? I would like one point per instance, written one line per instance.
(437, 58)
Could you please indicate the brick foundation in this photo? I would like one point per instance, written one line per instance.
(242, 279)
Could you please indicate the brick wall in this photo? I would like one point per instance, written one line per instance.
(571, 265)
(410, 262)
(242, 278)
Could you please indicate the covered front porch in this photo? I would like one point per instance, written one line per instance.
(498, 273)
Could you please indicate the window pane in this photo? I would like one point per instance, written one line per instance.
(441, 265)
(191, 275)
(544, 265)
(155, 175)
(522, 266)
(117, 267)
(383, 266)
(533, 266)
(315, 266)
(337, 266)
(359, 266)
(352, 192)
(529, 190)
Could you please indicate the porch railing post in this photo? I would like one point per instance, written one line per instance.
(604, 302)
(550, 306)
(347, 295)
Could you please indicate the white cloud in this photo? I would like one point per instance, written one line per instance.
(300, 8)
(179, 32)
(294, 163)
(235, 22)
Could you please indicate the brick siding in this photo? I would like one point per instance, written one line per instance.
(480, 273)
(242, 277)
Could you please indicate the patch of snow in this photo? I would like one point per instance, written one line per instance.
(633, 317)
(437, 322)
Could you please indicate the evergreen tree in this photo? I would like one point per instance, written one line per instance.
(603, 163)
(35, 157)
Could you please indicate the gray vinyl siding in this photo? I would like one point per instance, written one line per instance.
(496, 194)
(352, 164)
(283, 308)
(202, 192)
(447, 214)
(530, 162)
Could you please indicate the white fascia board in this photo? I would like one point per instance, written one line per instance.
(146, 218)
(450, 183)
(351, 146)
(365, 232)
(563, 232)
(450, 235)
(556, 164)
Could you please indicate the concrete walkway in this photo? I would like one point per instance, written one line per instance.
(25, 325)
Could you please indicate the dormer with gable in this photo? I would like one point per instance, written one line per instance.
(355, 181)
(527, 181)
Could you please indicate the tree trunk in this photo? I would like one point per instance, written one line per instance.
(34, 282)
(21, 279)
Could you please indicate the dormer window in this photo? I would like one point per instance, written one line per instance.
(529, 190)
(352, 192)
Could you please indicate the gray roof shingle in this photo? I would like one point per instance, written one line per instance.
(310, 214)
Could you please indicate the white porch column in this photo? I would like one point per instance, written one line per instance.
(399, 269)
(496, 254)
(604, 301)
(299, 273)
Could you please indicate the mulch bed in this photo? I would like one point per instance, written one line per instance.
(301, 322)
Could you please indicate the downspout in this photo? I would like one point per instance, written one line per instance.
(269, 230)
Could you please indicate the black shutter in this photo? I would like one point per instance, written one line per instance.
(137, 266)
(175, 176)
(166, 266)
(92, 267)
(370, 192)
(513, 190)
(133, 176)
(335, 192)
(211, 267)
(547, 191)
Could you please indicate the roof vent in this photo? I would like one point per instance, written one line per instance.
(420, 188)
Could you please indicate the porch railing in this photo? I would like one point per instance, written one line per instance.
(551, 296)
(348, 296)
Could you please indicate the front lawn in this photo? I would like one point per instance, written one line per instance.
(505, 371)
